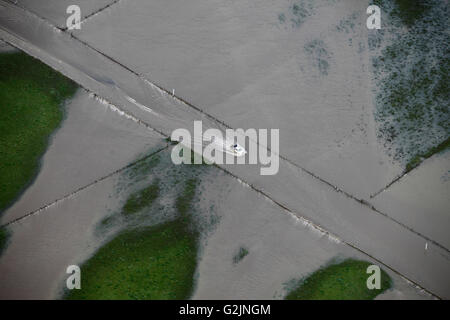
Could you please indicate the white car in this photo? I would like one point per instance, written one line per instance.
(238, 150)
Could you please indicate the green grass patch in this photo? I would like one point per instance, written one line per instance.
(342, 281)
(31, 95)
(141, 199)
(150, 263)
(414, 162)
(240, 255)
(4, 236)
(147, 263)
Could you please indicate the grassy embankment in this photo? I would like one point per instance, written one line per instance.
(156, 262)
(342, 281)
(31, 95)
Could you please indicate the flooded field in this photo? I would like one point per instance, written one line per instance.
(421, 199)
(229, 215)
(300, 66)
(93, 141)
(356, 175)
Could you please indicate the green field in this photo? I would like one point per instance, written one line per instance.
(342, 281)
(156, 262)
(149, 263)
(31, 95)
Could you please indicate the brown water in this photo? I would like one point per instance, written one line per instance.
(324, 114)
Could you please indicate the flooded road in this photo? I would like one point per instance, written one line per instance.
(281, 248)
(300, 66)
(55, 10)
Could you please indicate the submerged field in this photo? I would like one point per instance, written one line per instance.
(151, 248)
(31, 95)
(146, 260)
(411, 74)
(341, 281)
